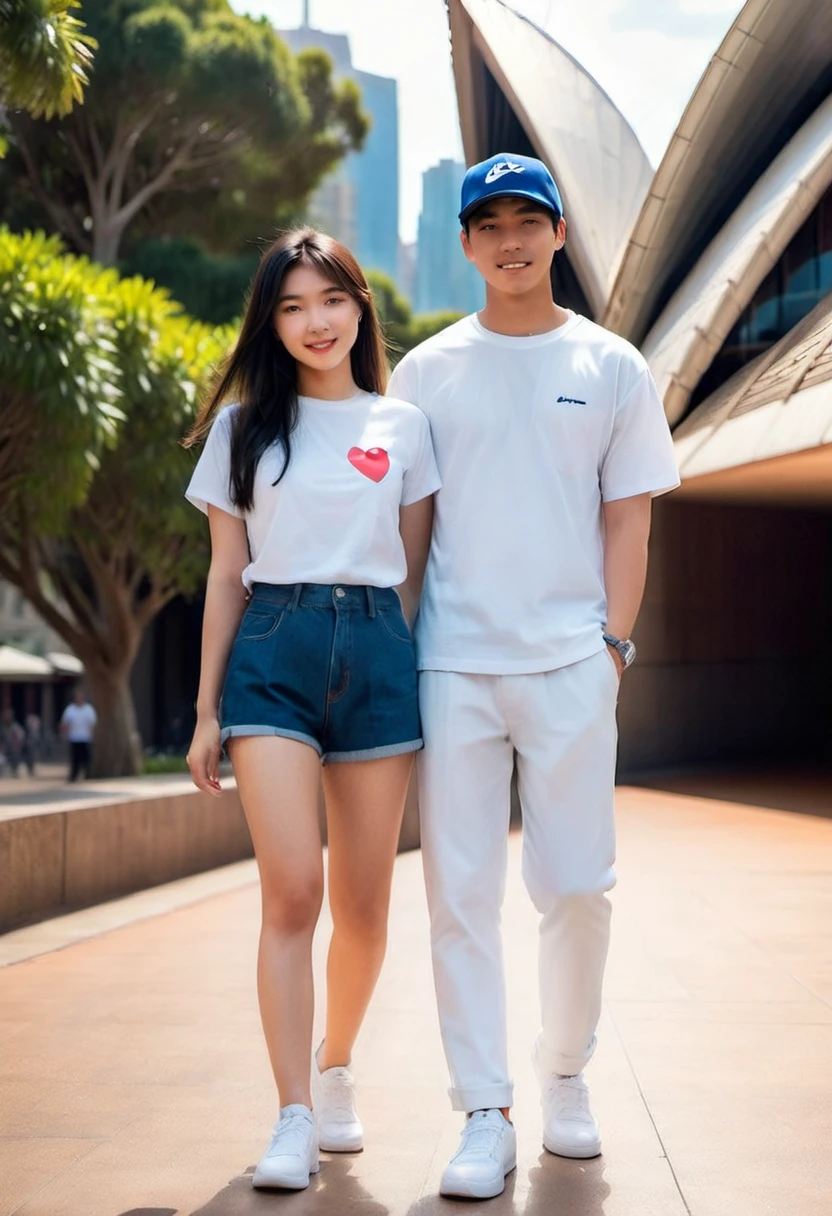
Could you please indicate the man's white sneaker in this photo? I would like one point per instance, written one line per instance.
(333, 1101)
(487, 1153)
(293, 1153)
(569, 1126)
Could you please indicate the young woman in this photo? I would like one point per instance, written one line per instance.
(318, 492)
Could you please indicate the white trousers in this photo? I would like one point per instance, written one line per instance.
(561, 727)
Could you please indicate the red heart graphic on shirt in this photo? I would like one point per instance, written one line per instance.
(374, 463)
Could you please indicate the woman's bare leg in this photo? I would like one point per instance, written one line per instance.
(278, 783)
(364, 805)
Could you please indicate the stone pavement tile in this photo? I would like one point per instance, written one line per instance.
(737, 1154)
(47, 936)
(811, 1011)
(704, 1073)
(28, 1166)
(765, 1060)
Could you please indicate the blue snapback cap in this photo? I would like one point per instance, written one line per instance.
(517, 176)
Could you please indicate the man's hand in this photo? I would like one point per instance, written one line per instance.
(204, 756)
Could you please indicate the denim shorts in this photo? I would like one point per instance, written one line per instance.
(331, 666)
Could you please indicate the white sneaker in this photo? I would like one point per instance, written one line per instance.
(569, 1126)
(333, 1101)
(293, 1153)
(487, 1153)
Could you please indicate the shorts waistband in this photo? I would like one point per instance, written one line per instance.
(325, 595)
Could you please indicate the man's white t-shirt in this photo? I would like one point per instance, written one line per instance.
(334, 516)
(80, 722)
(531, 436)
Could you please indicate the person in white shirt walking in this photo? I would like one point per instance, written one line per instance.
(78, 722)
(319, 493)
(551, 442)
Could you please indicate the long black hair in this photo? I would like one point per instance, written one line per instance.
(261, 374)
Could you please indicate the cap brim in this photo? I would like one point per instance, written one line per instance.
(527, 194)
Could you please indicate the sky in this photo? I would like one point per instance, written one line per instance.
(646, 54)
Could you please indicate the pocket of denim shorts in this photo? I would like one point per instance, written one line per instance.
(393, 621)
(257, 626)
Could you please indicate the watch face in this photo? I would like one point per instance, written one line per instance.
(628, 652)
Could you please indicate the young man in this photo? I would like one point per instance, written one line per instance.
(551, 441)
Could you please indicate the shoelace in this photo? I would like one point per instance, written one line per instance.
(289, 1135)
(572, 1099)
(479, 1138)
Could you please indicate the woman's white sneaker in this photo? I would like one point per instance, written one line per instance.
(293, 1153)
(487, 1152)
(333, 1100)
(569, 1126)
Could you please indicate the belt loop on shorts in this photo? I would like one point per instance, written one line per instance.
(371, 603)
(295, 600)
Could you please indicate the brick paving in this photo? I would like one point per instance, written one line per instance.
(134, 1081)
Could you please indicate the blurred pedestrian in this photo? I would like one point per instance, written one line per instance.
(34, 738)
(78, 723)
(12, 740)
(318, 491)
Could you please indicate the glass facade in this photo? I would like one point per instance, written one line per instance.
(800, 279)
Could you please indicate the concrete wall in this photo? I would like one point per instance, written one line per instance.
(734, 661)
(52, 861)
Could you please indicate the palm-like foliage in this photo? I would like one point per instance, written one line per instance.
(44, 56)
(99, 379)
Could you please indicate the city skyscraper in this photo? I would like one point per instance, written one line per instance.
(445, 281)
(359, 202)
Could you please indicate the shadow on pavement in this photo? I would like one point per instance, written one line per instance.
(150, 1212)
(332, 1192)
(568, 1188)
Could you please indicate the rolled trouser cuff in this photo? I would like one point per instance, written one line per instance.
(482, 1097)
(547, 1062)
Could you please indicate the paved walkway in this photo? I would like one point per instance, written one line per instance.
(134, 1082)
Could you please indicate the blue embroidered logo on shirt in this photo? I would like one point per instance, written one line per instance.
(571, 400)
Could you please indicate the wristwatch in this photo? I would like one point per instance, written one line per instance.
(626, 648)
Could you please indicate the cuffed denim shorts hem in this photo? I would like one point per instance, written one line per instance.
(375, 753)
(238, 732)
(331, 665)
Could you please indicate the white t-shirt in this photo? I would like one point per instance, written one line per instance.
(334, 515)
(531, 436)
(80, 722)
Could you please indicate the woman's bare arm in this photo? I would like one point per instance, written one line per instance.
(225, 601)
(415, 524)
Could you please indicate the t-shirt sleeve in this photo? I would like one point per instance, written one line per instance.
(209, 483)
(403, 383)
(639, 458)
(421, 477)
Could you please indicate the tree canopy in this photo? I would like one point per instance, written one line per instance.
(45, 56)
(197, 121)
(99, 380)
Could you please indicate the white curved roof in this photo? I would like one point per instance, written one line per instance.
(18, 665)
(600, 167)
(766, 434)
(768, 63)
(695, 323)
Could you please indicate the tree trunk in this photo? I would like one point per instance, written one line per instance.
(106, 242)
(117, 750)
